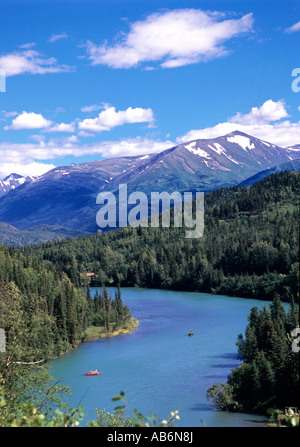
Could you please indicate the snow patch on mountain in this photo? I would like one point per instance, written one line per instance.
(12, 178)
(219, 149)
(231, 159)
(222, 151)
(196, 150)
(243, 142)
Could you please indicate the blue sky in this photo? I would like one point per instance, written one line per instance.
(90, 79)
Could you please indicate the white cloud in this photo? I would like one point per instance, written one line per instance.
(294, 28)
(56, 37)
(26, 153)
(27, 169)
(91, 108)
(9, 114)
(257, 123)
(283, 134)
(110, 118)
(29, 120)
(30, 61)
(105, 121)
(269, 111)
(27, 158)
(174, 38)
(83, 133)
(131, 147)
(27, 46)
(62, 127)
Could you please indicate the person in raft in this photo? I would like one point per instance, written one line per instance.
(191, 333)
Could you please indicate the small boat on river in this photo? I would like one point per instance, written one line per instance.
(92, 373)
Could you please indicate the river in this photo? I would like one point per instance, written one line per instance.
(158, 366)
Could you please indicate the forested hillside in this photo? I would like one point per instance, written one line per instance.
(43, 315)
(250, 247)
(54, 311)
(10, 235)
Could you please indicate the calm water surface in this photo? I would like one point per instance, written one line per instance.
(158, 366)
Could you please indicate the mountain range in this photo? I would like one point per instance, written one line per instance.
(66, 195)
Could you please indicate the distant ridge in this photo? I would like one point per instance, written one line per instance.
(289, 166)
(10, 235)
(66, 195)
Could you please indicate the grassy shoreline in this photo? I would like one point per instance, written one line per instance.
(95, 332)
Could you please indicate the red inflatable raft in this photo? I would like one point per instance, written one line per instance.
(92, 373)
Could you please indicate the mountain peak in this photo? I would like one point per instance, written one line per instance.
(12, 181)
(238, 132)
(13, 176)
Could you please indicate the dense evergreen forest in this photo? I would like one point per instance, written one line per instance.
(50, 303)
(269, 375)
(250, 247)
(43, 316)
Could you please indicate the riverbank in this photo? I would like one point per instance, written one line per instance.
(95, 332)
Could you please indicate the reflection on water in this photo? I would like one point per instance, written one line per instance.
(231, 355)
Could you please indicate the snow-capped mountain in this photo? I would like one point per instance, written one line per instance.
(12, 181)
(238, 151)
(66, 195)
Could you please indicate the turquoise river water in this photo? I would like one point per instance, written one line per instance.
(158, 366)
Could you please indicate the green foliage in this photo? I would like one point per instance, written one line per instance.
(43, 314)
(118, 417)
(28, 415)
(289, 418)
(108, 312)
(269, 376)
(28, 344)
(222, 395)
(56, 308)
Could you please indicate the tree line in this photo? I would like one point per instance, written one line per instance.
(107, 311)
(43, 315)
